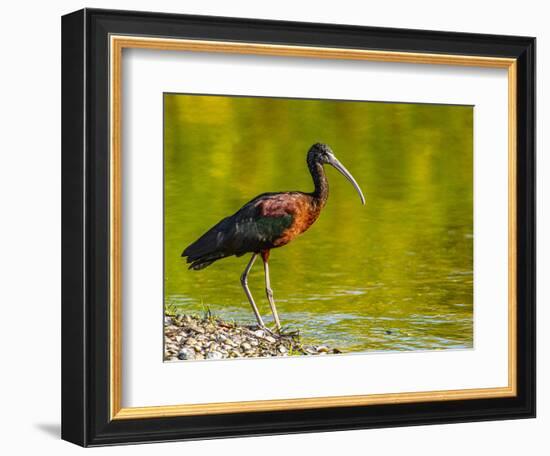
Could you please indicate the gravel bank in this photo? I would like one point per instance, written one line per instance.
(189, 337)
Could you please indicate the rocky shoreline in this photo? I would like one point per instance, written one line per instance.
(191, 337)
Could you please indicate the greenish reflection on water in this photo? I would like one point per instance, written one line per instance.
(396, 274)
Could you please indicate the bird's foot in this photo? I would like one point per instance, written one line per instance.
(282, 332)
(270, 332)
(275, 332)
(285, 331)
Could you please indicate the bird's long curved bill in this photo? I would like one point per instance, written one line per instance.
(334, 162)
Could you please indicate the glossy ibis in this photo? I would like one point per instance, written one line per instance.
(268, 221)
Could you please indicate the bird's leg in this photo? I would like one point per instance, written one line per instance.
(269, 291)
(244, 283)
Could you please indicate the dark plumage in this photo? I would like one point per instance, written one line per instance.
(268, 221)
(248, 230)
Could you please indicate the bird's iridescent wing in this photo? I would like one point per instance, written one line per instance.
(254, 227)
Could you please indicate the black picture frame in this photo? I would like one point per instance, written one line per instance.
(85, 228)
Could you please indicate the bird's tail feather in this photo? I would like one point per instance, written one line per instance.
(208, 248)
(198, 263)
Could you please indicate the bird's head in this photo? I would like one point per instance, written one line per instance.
(323, 154)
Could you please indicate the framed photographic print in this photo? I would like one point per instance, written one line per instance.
(278, 227)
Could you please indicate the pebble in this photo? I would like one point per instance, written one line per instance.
(214, 355)
(186, 353)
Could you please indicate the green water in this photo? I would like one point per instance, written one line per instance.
(396, 274)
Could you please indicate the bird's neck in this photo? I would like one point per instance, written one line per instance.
(320, 181)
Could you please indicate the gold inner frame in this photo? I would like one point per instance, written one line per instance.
(117, 44)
